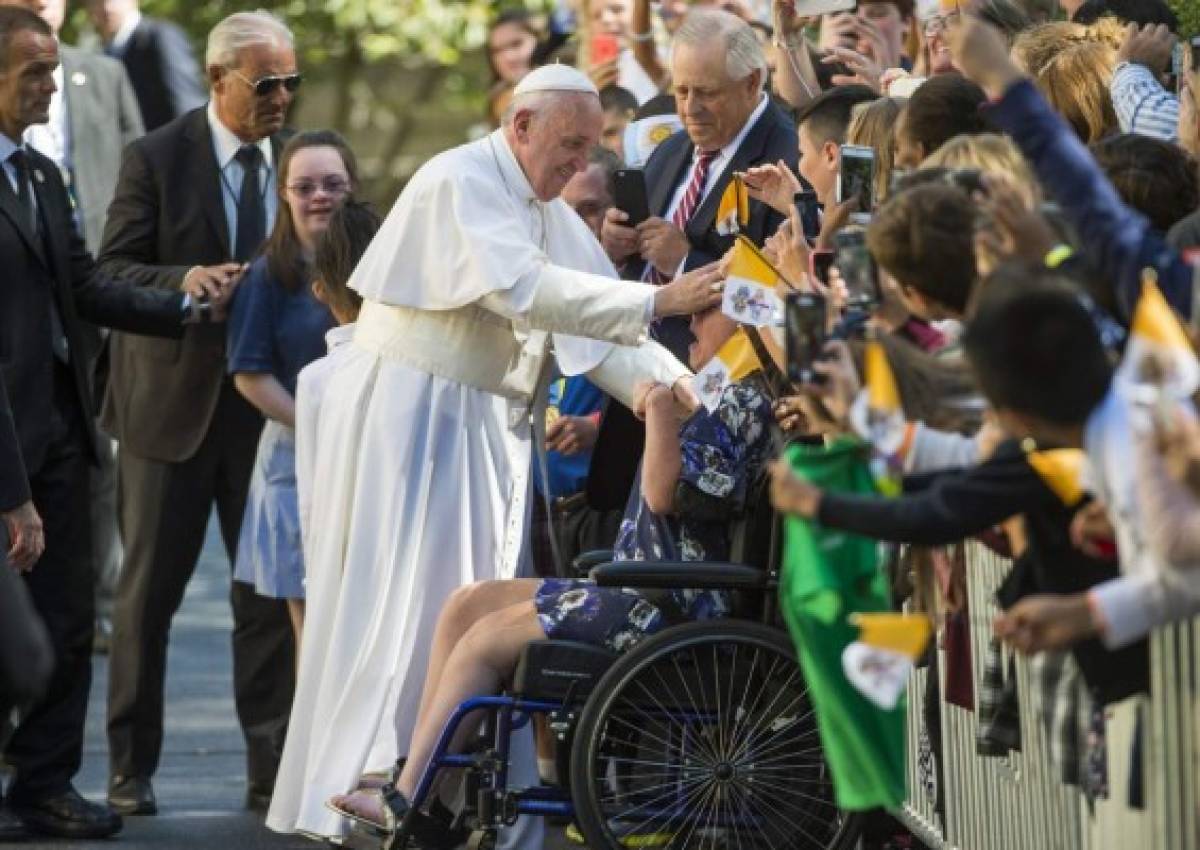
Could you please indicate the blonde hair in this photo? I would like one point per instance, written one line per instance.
(1072, 65)
(873, 125)
(989, 153)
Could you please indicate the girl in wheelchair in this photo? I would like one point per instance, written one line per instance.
(696, 472)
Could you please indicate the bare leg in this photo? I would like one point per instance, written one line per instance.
(481, 660)
(467, 606)
(296, 613)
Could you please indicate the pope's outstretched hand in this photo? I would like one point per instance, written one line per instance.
(690, 293)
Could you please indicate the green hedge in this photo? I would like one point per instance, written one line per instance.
(1189, 15)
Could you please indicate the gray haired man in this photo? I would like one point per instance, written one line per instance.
(193, 204)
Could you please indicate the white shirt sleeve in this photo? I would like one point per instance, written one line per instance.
(1132, 605)
(625, 367)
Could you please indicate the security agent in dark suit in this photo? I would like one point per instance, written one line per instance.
(730, 125)
(194, 201)
(157, 55)
(51, 285)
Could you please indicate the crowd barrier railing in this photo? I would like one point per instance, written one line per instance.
(1019, 800)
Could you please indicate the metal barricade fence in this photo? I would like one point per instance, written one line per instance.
(1019, 801)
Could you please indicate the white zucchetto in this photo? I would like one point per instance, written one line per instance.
(555, 78)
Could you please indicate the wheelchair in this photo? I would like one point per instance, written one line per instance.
(700, 736)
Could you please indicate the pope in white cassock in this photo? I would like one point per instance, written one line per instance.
(478, 278)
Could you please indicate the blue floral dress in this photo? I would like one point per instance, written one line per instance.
(723, 453)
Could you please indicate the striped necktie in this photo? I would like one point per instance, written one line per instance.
(689, 202)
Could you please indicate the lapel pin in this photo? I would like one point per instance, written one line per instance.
(79, 78)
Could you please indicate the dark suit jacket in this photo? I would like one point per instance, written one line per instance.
(166, 217)
(56, 266)
(163, 71)
(773, 137)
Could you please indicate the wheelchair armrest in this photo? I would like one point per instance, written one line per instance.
(584, 561)
(679, 575)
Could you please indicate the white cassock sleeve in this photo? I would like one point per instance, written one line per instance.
(574, 304)
(563, 301)
(625, 367)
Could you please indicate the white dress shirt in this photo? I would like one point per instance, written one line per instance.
(121, 40)
(226, 146)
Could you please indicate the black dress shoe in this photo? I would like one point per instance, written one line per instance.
(68, 815)
(132, 795)
(12, 828)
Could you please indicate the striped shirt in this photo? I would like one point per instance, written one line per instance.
(1142, 105)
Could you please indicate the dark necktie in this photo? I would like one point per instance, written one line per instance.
(20, 163)
(251, 211)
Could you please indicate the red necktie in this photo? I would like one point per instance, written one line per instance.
(689, 202)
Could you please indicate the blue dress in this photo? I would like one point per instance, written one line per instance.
(722, 454)
(275, 332)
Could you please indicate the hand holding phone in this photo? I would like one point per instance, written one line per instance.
(856, 177)
(629, 195)
(857, 268)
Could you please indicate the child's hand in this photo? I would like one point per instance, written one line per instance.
(773, 184)
(1046, 622)
(791, 494)
(641, 396)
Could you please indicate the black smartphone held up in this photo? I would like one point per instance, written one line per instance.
(808, 208)
(820, 263)
(857, 267)
(856, 177)
(804, 319)
(629, 195)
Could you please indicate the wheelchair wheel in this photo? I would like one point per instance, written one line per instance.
(703, 736)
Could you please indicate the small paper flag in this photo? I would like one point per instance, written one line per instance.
(1062, 470)
(904, 633)
(878, 418)
(735, 360)
(733, 214)
(880, 675)
(750, 296)
(1159, 352)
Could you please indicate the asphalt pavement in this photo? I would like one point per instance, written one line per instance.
(201, 782)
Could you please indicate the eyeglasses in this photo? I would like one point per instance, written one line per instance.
(941, 23)
(305, 189)
(265, 86)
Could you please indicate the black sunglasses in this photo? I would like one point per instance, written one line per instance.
(265, 86)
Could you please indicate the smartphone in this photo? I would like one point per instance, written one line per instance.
(819, 264)
(629, 195)
(857, 267)
(812, 8)
(809, 211)
(856, 177)
(604, 48)
(804, 319)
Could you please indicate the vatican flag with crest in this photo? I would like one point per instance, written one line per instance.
(1159, 355)
(733, 214)
(878, 418)
(734, 360)
(751, 296)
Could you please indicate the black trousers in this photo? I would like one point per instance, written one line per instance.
(47, 747)
(164, 510)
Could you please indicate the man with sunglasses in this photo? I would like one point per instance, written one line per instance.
(194, 202)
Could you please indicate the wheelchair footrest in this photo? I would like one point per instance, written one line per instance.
(548, 669)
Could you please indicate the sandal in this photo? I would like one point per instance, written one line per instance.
(375, 779)
(426, 831)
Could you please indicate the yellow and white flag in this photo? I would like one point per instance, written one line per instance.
(1062, 471)
(733, 214)
(735, 360)
(1159, 354)
(878, 417)
(750, 288)
(880, 662)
